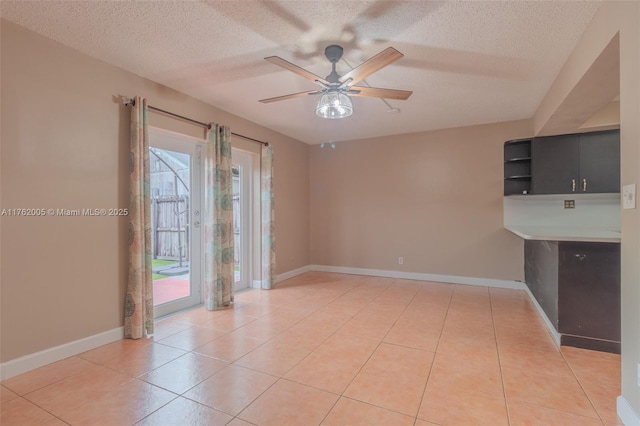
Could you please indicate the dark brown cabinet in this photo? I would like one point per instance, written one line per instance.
(577, 284)
(541, 275)
(576, 164)
(517, 167)
(589, 294)
(600, 162)
(556, 164)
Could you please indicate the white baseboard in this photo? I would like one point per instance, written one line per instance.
(626, 412)
(32, 361)
(293, 273)
(38, 359)
(453, 279)
(543, 315)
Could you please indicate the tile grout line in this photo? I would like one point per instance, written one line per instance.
(435, 353)
(177, 395)
(282, 377)
(369, 357)
(582, 387)
(69, 377)
(52, 383)
(504, 387)
(559, 351)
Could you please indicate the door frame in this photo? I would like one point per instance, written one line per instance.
(245, 160)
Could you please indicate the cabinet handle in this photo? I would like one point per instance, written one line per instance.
(573, 185)
(584, 185)
(580, 257)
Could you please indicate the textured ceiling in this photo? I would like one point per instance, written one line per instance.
(468, 62)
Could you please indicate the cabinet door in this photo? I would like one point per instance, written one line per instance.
(589, 290)
(600, 162)
(555, 164)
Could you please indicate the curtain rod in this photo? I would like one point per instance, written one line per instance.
(200, 123)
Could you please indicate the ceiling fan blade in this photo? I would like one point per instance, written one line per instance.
(376, 92)
(368, 67)
(296, 69)
(291, 96)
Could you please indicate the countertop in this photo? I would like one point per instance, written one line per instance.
(566, 233)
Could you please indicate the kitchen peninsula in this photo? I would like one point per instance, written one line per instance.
(571, 235)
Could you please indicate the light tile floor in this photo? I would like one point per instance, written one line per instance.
(331, 349)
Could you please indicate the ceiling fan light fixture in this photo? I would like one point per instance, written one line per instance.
(333, 105)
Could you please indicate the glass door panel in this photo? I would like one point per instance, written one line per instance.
(242, 170)
(175, 185)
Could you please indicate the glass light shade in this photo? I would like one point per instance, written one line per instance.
(334, 104)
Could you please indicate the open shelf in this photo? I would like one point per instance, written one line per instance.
(517, 159)
(517, 167)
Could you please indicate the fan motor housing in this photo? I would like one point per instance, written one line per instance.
(333, 53)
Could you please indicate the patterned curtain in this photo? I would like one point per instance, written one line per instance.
(138, 309)
(218, 219)
(268, 219)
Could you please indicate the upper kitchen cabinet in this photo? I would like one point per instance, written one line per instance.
(576, 164)
(555, 164)
(600, 161)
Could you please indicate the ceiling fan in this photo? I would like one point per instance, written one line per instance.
(335, 89)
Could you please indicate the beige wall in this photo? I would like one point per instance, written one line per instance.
(65, 145)
(434, 198)
(614, 19)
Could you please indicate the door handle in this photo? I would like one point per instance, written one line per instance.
(573, 185)
(584, 185)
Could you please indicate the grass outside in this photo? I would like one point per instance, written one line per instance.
(161, 262)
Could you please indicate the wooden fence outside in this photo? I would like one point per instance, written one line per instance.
(170, 227)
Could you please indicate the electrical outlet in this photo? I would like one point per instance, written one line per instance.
(569, 204)
(400, 260)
